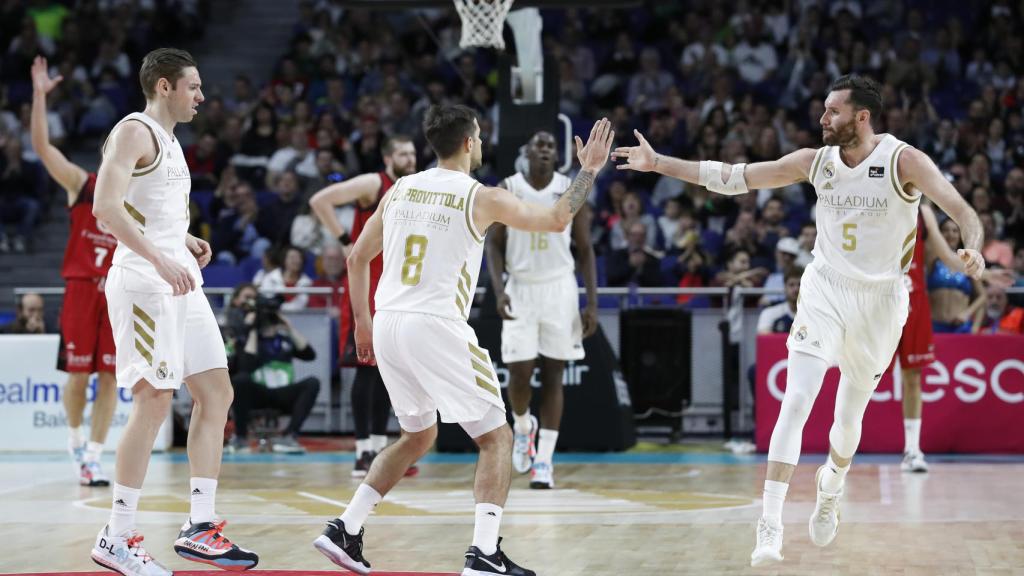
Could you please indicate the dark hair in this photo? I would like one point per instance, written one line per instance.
(168, 63)
(864, 93)
(392, 142)
(238, 291)
(793, 272)
(446, 126)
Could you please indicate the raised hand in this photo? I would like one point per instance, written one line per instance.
(641, 158)
(594, 154)
(41, 81)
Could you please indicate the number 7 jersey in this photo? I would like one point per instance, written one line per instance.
(432, 249)
(867, 223)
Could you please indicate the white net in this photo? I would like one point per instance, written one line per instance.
(482, 22)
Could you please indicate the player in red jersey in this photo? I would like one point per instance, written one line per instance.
(916, 348)
(371, 406)
(87, 342)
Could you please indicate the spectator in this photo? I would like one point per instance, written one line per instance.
(648, 86)
(30, 318)
(787, 250)
(637, 263)
(296, 157)
(738, 271)
(204, 163)
(632, 211)
(290, 275)
(779, 318)
(808, 236)
(1000, 316)
(264, 377)
(994, 250)
(234, 235)
(275, 220)
(19, 198)
(334, 268)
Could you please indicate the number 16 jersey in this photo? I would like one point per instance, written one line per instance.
(432, 249)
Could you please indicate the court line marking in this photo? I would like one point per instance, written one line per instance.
(323, 499)
(884, 485)
(34, 484)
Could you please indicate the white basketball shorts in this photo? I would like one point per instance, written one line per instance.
(160, 338)
(855, 325)
(547, 321)
(432, 364)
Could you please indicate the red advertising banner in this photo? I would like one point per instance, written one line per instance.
(973, 399)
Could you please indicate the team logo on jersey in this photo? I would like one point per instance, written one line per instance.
(876, 172)
(801, 334)
(829, 170)
(161, 371)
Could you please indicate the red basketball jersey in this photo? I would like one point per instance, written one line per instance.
(90, 248)
(917, 264)
(346, 341)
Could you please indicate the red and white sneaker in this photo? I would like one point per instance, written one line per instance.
(125, 555)
(204, 542)
(90, 473)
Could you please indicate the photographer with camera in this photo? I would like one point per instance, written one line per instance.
(264, 344)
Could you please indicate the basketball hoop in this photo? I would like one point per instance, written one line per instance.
(482, 22)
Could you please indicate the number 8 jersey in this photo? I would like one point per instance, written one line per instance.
(432, 249)
(867, 223)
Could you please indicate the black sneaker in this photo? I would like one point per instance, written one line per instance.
(497, 564)
(363, 463)
(205, 542)
(342, 548)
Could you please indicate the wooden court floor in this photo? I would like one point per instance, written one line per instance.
(619, 514)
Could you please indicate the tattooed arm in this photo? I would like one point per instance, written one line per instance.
(499, 205)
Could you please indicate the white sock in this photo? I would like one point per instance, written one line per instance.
(833, 477)
(521, 422)
(546, 445)
(122, 512)
(93, 451)
(363, 446)
(75, 438)
(485, 531)
(363, 502)
(774, 497)
(204, 495)
(378, 442)
(911, 435)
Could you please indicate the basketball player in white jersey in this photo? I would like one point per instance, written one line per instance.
(430, 227)
(164, 329)
(853, 301)
(540, 307)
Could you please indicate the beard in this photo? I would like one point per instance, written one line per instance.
(844, 136)
(404, 170)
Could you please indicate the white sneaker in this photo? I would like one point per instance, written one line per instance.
(542, 476)
(824, 522)
(769, 544)
(91, 474)
(914, 462)
(124, 554)
(77, 452)
(524, 448)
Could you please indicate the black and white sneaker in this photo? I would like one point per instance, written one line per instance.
(342, 548)
(497, 564)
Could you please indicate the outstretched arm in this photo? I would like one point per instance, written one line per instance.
(360, 189)
(69, 175)
(499, 205)
(369, 245)
(917, 169)
(791, 168)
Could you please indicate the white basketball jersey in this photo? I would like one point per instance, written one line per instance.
(157, 201)
(867, 224)
(538, 256)
(432, 249)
